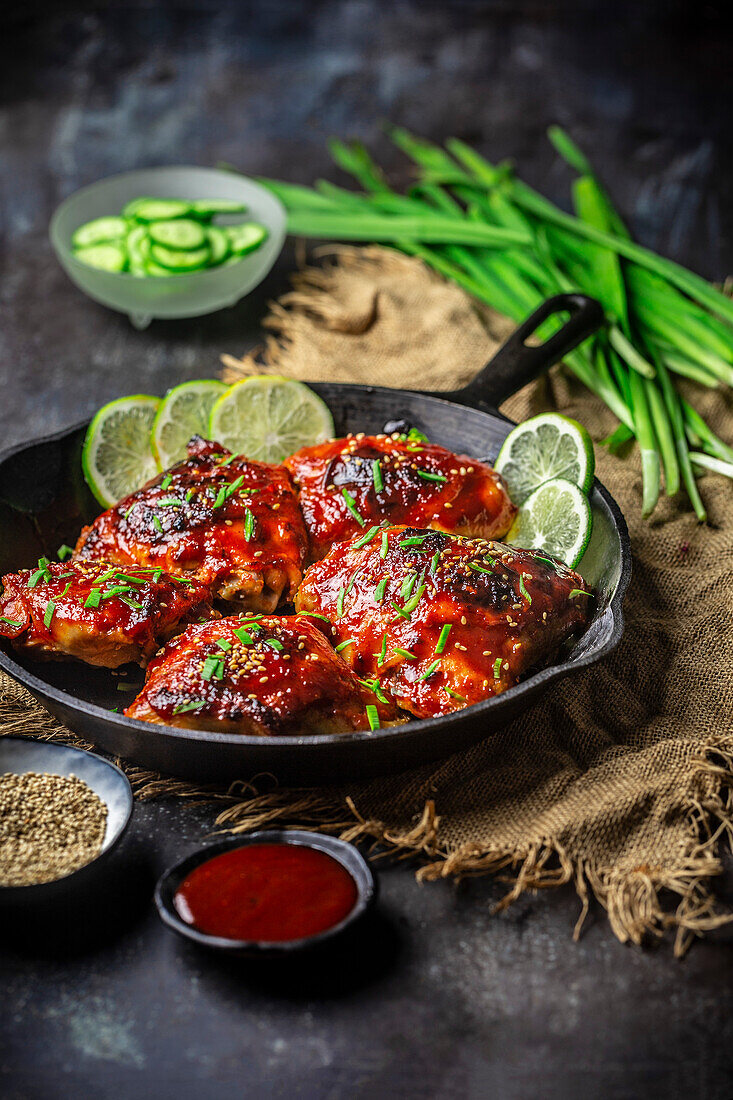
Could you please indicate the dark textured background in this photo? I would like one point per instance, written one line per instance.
(441, 999)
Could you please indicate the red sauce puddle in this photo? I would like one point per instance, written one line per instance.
(267, 893)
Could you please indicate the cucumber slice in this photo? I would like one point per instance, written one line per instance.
(130, 208)
(138, 246)
(156, 210)
(107, 257)
(208, 208)
(245, 237)
(218, 243)
(99, 231)
(151, 268)
(178, 260)
(178, 233)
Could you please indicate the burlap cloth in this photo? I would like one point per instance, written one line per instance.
(619, 781)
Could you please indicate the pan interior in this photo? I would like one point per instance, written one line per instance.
(44, 501)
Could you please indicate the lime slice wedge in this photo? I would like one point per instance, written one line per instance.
(183, 413)
(555, 518)
(545, 447)
(117, 458)
(268, 418)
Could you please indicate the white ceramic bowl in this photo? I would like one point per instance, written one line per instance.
(189, 295)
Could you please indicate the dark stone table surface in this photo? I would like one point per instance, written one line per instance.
(441, 998)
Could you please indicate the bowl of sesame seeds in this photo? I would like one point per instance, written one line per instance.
(62, 811)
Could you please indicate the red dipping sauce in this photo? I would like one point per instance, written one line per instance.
(266, 892)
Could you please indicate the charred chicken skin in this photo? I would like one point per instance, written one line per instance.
(347, 485)
(96, 612)
(232, 523)
(441, 621)
(261, 676)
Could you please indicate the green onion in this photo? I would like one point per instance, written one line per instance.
(414, 601)
(385, 545)
(169, 502)
(430, 670)
(10, 622)
(223, 643)
(364, 539)
(377, 475)
(443, 638)
(64, 552)
(479, 568)
(166, 482)
(192, 704)
(221, 496)
(434, 561)
(249, 525)
(93, 599)
(274, 643)
(407, 585)
(577, 592)
(373, 716)
(523, 589)
(351, 505)
(427, 476)
(413, 540)
(244, 636)
(455, 695)
(213, 668)
(343, 645)
(314, 615)
(405, 653)
(340, 602)
(380, 590)
(49, 613)
(497, 668)
(189, 494)
(157, 524)
(383, 651)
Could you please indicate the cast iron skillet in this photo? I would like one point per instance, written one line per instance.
(44, 502)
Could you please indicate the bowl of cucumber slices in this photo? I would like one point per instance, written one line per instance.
(169, 242)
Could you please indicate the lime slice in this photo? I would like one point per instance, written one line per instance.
(117, 458)
(545, 447)
(183, 413)
(268, 418)
(555, 518)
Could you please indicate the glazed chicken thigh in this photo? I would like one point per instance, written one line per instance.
(96, 612)
(442, 621)
(232, 523)
(347, 485)
(263, 676)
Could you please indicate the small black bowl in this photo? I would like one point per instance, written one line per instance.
(345, 854)
(24, 754)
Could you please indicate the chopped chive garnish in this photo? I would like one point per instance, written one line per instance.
(430, 670)
(249, 525)
(93, 599)
(105, 577)
(315, 615)
(227, 460)
(523, 589)
(549, 561)
(413, 540)
(220, 497)
(405, 653)
(166, 482)
(373, 716)
(274, 643)
(351, 505)
(116, 590)
(129, 579)
(455, 695)
(157, 524)
(10, 622)
(443, 638)
(380, 590)
(375, 687)
(416, 436)
(193, 704)
(223, 643)
(235, 485)
(66, 589)
(343, 645)
(479, 568)
(169, 502)
(157, 574)
(350, 585)
(244, 636)
(213, 668)
(400, 610)
(385, 545)
(427, 476)
(340, 602)
(435, 560)
(578, 592)
(64, 552)
(407, 585)
(377, 475)
(383, 651)
(364, 539)
(414, 600)
(127, 513)
(131, 603)
(189, 494)
(43, 563)
(497, 668)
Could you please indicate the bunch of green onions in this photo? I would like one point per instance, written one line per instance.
(479, 225)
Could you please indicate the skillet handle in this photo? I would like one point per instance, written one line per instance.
(516, 363)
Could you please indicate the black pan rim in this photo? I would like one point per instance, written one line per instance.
(541, 679)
